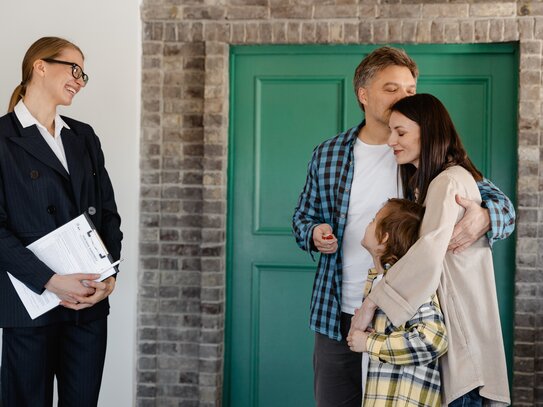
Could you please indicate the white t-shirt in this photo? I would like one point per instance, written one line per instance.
(374, 181)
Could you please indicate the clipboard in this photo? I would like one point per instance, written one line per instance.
(75, 247)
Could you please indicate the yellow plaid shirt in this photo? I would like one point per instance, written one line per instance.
(404, 368)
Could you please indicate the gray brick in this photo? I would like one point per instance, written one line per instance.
(445, 10)
(493, 9)
(293, 32)
(265, 32)
(380, 31)
(365, 32)
(409, 31)
(291, 11)
(323, 32)
(348, 11)
(204, 13)
(247, 13)
(399, 11)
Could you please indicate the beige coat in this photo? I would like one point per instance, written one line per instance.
(466, 289)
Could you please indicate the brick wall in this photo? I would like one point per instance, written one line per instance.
(184, 158)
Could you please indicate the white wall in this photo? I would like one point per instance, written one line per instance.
(109, 33)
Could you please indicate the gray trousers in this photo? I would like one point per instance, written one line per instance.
(338, 370)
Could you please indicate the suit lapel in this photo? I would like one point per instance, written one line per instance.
(32, 141)
(74, 147)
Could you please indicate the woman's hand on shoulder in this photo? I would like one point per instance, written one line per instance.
(473, 225)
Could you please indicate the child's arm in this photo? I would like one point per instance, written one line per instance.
(422, 340)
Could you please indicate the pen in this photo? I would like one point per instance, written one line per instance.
(109, 267)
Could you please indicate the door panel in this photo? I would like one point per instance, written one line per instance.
(281, 374)
(285, 100)
(280, 139)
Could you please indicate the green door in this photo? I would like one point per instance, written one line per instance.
(284, 101)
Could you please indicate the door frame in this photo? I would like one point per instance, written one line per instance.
(412, 49)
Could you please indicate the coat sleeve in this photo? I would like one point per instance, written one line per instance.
(15, 258)
(110, 231)
(422, 340)
(415, 277)
(307, 213)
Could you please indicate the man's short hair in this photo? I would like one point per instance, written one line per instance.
(378, 60)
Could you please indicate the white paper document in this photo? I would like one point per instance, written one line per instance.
(75, 247)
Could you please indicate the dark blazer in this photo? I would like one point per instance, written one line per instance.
(37, 195)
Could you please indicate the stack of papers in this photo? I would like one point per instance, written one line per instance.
(74, 247)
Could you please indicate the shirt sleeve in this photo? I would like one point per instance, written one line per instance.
(500, 208)
(421, 341)
(415, 277)
(307, 213)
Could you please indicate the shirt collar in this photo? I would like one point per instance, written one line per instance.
(26, 119)
(372, 272)
(353, 133)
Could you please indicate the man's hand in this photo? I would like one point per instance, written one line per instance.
(474, 224)
(70, 286)
(102, 290)
(357, 341)
(363, 316)
(324, 239)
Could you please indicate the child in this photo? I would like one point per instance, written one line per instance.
(403, 361)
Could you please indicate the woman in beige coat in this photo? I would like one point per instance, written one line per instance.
(434, 167)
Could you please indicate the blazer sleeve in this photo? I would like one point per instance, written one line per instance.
(415, 277)
(111, 221)
(15, 258)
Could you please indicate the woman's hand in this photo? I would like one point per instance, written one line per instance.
(357, 341)
(474, 224)
(68, 287)
(362, 316)
(102, 290)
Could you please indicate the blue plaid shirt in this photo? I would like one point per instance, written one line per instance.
(325, 199)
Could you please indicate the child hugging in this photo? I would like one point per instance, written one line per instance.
(403, 361)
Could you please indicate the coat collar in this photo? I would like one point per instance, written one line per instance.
(30, 139)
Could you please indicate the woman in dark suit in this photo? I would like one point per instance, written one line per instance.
(51, 171)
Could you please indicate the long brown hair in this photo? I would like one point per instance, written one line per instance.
(401, 221)
(440, 145)
(45, 47)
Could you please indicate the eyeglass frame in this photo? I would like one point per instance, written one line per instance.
(74, 66)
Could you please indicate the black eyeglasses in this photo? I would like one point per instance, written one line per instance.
(77, 72)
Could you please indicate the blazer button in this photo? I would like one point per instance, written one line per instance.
(92, 210)
(34, 174)
(51, 209)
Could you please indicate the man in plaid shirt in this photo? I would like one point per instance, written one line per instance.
(338, 201)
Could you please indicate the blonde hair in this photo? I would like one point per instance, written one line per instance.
(45, 47)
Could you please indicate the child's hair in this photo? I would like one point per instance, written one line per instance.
(401, 221)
